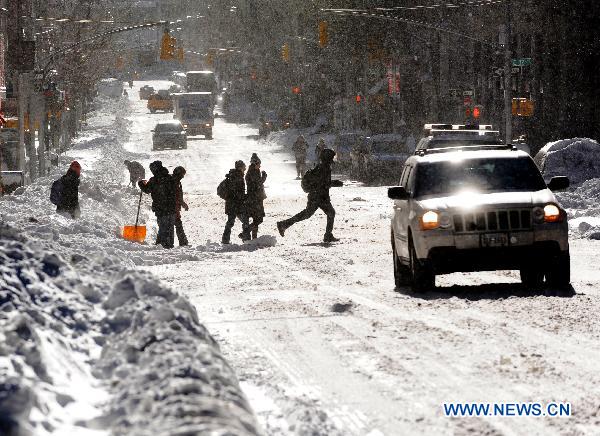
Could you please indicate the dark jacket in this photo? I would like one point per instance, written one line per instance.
(255, 184)
(237, 192)
(178, 196)
(162, 188)
(136, 171)
(69, 199)
(325, 183)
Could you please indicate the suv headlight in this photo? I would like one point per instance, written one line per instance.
(432, 220)
(550, 213)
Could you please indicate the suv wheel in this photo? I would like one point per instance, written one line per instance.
(422, 276)
(532, 277)
(401, 272)
(559, 274)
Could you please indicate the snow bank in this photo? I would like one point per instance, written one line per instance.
(578, 158)
(88, 344)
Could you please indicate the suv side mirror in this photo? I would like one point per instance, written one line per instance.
(558, 183)
(398, 193)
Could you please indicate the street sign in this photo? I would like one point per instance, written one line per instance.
(523, 62)
(468, 93)
(453, 93)
(516, 70)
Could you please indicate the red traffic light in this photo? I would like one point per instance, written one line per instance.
(476, 112)
(358, 98)
(296, 90)
(467, 112)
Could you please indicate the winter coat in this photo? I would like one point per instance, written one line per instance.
(300, 148)
(255, 183)
(162, 188)
(235, 202)
(136, 171)
(178, 196)
(69, 199)
(323, 172)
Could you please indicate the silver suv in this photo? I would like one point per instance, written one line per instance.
(482, 210)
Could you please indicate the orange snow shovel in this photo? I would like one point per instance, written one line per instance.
(135, 233)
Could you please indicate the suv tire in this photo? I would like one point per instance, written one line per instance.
(559, 274)
(402, 275)
(532, 277)
(422, 276)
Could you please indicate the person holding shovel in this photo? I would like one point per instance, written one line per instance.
(162, 189)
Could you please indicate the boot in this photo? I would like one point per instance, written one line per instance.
(330, 238)
(281, 228)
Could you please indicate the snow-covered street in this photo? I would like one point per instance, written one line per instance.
(322, 342)
(319, 338)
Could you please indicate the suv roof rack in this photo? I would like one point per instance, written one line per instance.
(470, 132)
(426, 151)
(454, 127)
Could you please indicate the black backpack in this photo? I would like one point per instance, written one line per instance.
(223, 189)
(310, 180)
(56, 192)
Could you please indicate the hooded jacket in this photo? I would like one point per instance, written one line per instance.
(255, 183)
(69, 199)
(237, 192)
(162, 188)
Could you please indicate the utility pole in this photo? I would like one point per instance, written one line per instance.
(508, 75)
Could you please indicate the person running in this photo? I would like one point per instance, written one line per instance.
(161, 187)
(136, 172)
(300, 149)
(317, 182)
(67, 202)
(255, 183)
(178, 175)
(235, 199)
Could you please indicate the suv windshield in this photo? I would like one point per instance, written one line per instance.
(483, 175)
(171, 127)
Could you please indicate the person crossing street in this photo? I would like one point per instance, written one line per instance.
(178, 175)
(317, 182)
(255, 184)
(300, 149)
(233, 190)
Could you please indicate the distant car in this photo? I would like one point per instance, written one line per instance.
(146, 91)
(381, 159)
(160, 101)
(268, 123)
(343, 145)
(447, 136)
(169, 134)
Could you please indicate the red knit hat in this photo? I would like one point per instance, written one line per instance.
(75, 167)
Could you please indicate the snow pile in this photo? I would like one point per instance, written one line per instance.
(577, 158)
(88, 345)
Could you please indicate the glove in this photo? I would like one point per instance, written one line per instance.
(185, 206)
(142, 183)
(264, 176)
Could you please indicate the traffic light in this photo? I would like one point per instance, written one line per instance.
(285, 52)
(323, 34)
(296, 90)
(477, 112)
(168, 47)
(358, 98)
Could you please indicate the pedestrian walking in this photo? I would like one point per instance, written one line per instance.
(300, 149)
(319, 148)
(65, 192)
(136, 172)
(316, 183)
(255, 184)
(161, 187)
(178, 175)
(233, 190)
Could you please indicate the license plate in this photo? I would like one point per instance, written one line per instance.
(494, 240)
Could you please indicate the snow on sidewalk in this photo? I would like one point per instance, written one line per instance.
(88, 344)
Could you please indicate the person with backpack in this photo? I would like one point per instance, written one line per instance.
(316, 182)
(64, 192)
(300, 149)
(178, 175)
(255, 184)
(136, 172)
(161, 187)
(233, 190)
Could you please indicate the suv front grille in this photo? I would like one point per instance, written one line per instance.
(497, 220)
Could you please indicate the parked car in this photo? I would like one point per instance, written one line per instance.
(483, 210)
(146, 91)
(382, 158)
(160, 101)
(169, 134)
